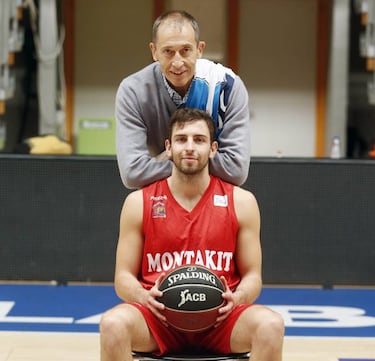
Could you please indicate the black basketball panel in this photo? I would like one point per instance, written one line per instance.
(192, 297)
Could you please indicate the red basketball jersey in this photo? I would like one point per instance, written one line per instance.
(204, 236)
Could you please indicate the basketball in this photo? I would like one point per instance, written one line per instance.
(192, 297)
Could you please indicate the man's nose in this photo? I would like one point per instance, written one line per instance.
(177, 60)
(190, 144)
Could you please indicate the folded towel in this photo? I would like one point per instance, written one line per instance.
(44, 144)
(210, 90)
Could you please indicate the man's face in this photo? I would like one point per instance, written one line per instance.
(177, 52)
(190, 148)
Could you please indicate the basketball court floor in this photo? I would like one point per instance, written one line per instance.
(48, 322)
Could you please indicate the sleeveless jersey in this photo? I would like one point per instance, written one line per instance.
(174, 236)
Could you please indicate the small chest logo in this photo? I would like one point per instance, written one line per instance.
(220, 201)
(158, 210)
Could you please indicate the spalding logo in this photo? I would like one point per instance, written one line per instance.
(191, 273)
(186, 296)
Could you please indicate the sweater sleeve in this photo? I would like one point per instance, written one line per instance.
(231, 162)
(137, 166)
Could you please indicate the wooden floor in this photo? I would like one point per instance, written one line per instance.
(50, 346)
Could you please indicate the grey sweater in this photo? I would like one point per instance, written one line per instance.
(143, 110)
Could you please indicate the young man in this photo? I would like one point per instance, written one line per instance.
(194, 217)
(146, 100)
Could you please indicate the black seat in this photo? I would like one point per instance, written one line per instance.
(141, 356)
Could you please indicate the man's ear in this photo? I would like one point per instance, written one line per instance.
(201, 46)
(167, 146)
(214, 147)
(153, 51)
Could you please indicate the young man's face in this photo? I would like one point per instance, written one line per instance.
(190, 147)
(177, 52)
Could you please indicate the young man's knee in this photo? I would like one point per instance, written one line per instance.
(108, 322)
(115, 321)
(271, 325)
(277, 323)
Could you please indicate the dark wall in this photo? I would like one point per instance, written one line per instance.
(317, 220)
(59, 219)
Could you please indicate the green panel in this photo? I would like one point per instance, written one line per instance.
(96, 136)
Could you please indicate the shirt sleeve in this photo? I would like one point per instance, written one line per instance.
(137, 166)
(232, 160)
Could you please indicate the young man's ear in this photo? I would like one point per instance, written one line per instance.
(214, 147)
(167, 146)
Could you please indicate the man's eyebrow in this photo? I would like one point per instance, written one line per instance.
(194, 135)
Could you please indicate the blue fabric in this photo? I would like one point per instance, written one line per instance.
(198, 95)
(210, 90)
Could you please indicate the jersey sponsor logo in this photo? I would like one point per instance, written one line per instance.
(159, 198)
(214, 260)
(158, 210)
(220, 201)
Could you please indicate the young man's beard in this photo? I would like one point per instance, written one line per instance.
(189, 170)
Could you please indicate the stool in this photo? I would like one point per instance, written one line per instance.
(140, 356)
